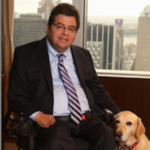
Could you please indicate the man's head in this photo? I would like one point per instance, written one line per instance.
(62, 26)
(64, 9)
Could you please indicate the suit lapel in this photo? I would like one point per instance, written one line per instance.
(78, 64)
(45, 63)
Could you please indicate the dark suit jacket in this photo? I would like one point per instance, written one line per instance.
(31, 85)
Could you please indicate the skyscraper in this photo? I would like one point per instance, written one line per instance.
(96, 51)
(142, 62)
(111, 40)
(46, 7)
(28, 28)
(32, 27)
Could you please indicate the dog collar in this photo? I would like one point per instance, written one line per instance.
(128, 148)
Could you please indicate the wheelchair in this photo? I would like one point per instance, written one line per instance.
(21, 131)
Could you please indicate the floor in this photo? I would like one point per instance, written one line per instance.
(9, 143)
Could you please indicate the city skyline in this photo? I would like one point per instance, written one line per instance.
(114, 51)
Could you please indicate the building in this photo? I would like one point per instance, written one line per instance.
(30, 16)
(111, 40)
(46, 6)
(142, 62)
(16, 15)
(96, 51)
(145, 12)
(28, 28)
(130, 55)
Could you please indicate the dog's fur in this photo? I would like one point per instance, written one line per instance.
(128, 129)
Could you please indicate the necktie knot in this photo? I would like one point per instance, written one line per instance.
(60, 57)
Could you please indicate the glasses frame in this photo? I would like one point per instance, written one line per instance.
(61, 26)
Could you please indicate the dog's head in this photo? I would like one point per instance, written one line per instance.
(128, 127)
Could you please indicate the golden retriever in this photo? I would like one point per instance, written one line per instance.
(130, 132)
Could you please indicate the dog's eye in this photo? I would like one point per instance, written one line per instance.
(129, 123)
(117, 121)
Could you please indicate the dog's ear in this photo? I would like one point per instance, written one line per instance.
(140, 128)
(113, 120)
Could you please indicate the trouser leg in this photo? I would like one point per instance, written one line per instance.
(56, 137)
(59, 136)
(98, 134)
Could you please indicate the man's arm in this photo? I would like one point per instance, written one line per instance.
(44, 120)
(18, 94)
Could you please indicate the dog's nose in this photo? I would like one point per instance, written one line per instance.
(119, 134)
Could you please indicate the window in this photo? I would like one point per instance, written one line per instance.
(30, 19)
(117, 33)
(122, 30)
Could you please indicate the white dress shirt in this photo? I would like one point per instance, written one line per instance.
(60, 107)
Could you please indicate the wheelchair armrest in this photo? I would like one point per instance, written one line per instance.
(21, 131)
(107, 111)
(108, 115)
(20, 126)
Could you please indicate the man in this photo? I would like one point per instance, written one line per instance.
(55, 84)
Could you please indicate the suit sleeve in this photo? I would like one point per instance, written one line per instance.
(18, 94)
(101, 97)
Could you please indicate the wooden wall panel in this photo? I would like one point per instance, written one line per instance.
(130, 94)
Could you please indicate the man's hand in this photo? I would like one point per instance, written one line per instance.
(44, 120)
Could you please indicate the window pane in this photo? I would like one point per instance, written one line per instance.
(122, 31)
(30, 19)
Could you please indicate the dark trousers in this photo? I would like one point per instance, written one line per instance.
(59, 136)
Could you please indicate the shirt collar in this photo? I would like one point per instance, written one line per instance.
(53, 52)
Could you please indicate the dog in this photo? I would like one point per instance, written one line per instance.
(130, 132)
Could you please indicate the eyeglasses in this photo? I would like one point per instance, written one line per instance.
(62, 27)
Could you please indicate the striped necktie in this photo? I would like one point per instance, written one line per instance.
(74, 105)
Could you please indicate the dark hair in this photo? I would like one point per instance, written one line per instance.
(64, 9)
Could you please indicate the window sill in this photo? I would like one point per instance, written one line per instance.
(123, 73)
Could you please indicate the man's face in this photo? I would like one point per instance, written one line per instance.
(62, 32)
